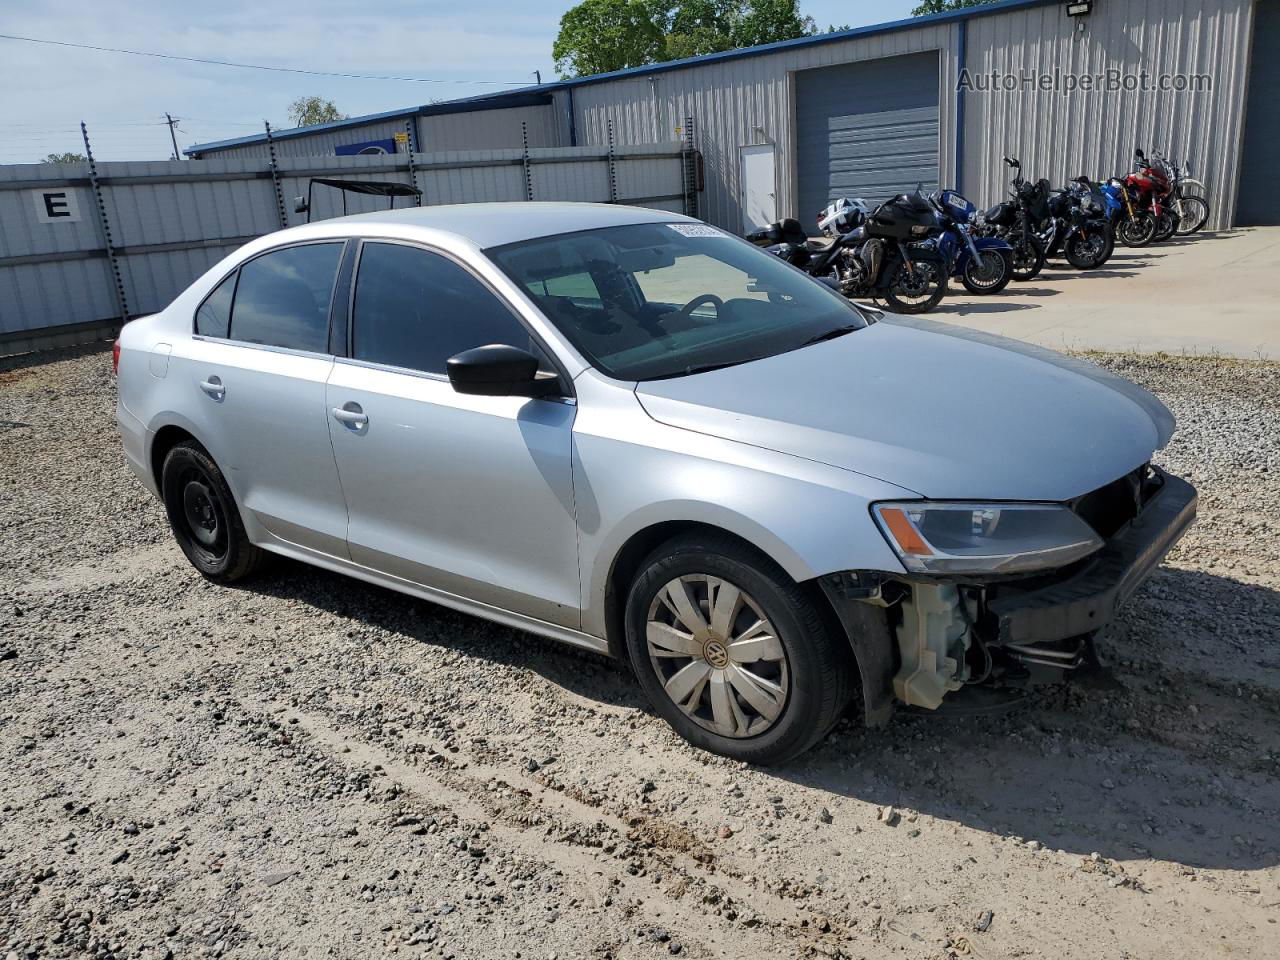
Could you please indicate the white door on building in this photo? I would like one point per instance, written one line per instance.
(759, 187)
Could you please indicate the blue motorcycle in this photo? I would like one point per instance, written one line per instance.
(983, 264)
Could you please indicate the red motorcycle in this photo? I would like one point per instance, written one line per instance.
(1151, 186)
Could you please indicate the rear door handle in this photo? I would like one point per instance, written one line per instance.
(351, 414)
(213, 387)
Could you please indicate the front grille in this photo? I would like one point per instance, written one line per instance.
(1109, 508)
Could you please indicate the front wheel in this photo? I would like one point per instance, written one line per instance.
(1136, 231)
(732, 653)
(1195, 214)
(1028, 257)
(1166, 227)
(917, 288)
(989, 274)
(1088, 249)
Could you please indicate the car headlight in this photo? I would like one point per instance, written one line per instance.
(981, 538)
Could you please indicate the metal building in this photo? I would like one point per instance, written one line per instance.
(1069, 87)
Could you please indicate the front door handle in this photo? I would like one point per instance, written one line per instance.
(213, 387)
(351, 414)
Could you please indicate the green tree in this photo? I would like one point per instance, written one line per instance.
(597, 36)
(308, 111)
(65, 158)
(941, 6)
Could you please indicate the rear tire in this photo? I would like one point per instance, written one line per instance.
(760, 682)
(203, 516)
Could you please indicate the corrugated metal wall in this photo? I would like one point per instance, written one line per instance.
(748, 101)
(492, 129)
(315, 144)
(1094, 133)
(172, 220)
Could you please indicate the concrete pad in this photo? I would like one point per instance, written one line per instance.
(1212, 293)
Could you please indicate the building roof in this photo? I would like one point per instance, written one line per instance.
(541, 94)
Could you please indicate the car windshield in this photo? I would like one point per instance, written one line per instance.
(655, 300)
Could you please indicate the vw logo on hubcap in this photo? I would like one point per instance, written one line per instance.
(716, 654)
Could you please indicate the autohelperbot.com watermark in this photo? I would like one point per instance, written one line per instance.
(1066, 83)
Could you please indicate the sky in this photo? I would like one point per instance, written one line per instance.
(471, 47)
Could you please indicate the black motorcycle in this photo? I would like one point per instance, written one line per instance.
(1014, 222)
(1077, 226)
(886, 258)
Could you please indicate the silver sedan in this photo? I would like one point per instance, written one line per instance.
(632, 432)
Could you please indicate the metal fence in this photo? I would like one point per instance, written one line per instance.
(84, 246)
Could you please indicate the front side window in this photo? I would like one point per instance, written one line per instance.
(653, 300)
(416, 309)
(282, 299)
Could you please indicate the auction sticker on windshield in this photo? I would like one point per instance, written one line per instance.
(696, 230)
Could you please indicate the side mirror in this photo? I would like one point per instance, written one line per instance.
(499, 370)
(1140, 154)
(300, 205)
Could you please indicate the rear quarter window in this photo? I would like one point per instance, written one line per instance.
(213, 318)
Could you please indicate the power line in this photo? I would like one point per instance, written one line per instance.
(248, 66)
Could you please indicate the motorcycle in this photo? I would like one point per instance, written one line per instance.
(1192, 211)
(1013, 221)
(1153, 187)
(983, 264)
(1132, 227)
(1077, 226)
(882, 256)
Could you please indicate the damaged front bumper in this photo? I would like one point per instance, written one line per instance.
(1034, 629)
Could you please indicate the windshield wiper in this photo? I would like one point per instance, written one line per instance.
(705, 368)
(830, 335)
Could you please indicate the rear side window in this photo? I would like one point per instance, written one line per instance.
(282, 299)
(213, 319)
(416, 309)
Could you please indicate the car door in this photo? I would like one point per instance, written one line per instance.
(257, 369)
(470, 495)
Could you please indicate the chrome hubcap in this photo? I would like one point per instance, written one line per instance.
(717, 655)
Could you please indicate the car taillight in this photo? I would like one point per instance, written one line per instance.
(115, 357)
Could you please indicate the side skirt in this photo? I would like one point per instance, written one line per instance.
(575, 638)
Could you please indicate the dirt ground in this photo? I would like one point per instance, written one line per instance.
(307, 766)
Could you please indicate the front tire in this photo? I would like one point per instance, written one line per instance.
(1028, 257)
(1089, 249)
(732, 653)
(1195, 214)
(1136, 231)
(992, 276)
(203, 516)
(918, 290)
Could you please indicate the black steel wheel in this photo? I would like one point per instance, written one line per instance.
(203, 515)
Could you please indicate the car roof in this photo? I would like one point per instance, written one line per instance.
(485, 224)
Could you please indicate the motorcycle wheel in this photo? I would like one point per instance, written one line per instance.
(991, 275)
(1028, 257)
(1137, 231)
(1088, 250)
(1195, 214)
(1166, 227)
(918, 290)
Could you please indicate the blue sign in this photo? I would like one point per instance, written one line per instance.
(368, 148)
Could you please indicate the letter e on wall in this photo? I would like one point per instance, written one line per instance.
(56, 205)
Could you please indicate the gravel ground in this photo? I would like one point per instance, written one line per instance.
(309, 766)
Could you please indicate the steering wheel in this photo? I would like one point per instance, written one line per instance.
(687, 310)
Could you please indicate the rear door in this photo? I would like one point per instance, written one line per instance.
(256, 372)
(469, 495)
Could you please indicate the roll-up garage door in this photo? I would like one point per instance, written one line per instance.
(1259, 201)
(867, 129)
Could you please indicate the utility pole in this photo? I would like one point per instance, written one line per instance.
(172, 123)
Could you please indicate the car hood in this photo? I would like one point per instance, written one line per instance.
(944, 411)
